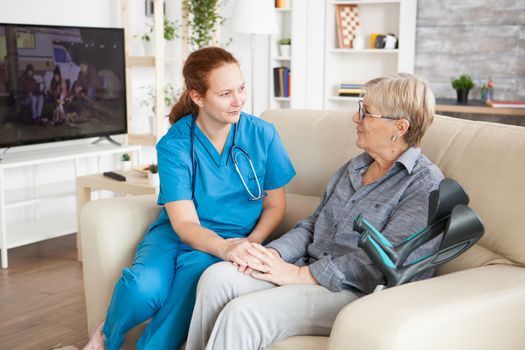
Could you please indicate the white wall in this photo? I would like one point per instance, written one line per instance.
(240, 47)
(92, 13)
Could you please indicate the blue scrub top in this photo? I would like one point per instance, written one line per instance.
(221, 200)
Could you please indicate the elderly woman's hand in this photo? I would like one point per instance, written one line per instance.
(274, 269)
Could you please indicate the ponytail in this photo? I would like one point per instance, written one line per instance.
(184, 106)
(196, 70)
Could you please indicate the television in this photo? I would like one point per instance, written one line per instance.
(60, 83)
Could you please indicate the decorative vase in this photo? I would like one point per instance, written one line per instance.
(284, 50)
(359, 41)
(462, 96)
(153, 179)
(149, 46)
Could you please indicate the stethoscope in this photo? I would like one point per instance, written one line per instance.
(241, 152)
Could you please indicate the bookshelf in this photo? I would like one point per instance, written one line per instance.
(280, 63)
(344, 65)
(291, 23)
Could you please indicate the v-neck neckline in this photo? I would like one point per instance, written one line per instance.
(219, 159)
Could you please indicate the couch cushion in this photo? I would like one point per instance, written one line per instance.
(488, 159)
(298, 207)
(318, 142)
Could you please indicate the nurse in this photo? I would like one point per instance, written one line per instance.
(222, 173)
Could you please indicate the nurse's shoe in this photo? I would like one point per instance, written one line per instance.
(97, 340)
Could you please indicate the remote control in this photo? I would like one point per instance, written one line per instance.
(115, 176)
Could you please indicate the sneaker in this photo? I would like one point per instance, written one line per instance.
(97, 340)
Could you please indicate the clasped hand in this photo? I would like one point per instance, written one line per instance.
(267, 265)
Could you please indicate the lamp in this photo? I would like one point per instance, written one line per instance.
(254, 17)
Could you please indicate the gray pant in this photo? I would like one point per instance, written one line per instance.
(235, 311)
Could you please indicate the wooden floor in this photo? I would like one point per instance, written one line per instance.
(42, 302)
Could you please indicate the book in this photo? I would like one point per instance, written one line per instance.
(276, 91)
(351, 86)
(281, 82)
(506, 104)
(358, 91)
(285, 81)
(289, 82)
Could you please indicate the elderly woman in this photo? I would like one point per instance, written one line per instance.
(297, 284)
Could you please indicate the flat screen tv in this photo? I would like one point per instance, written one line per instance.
(60, 83)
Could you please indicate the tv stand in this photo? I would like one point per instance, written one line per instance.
(38, 194)
(107, 138)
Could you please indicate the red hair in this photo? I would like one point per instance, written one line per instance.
(196, 71)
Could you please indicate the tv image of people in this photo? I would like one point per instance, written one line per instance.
(59, 83)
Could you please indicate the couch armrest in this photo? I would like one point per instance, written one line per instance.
(482, 308)
(110, 232)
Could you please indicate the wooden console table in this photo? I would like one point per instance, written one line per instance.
(475, 107)
(135, 184)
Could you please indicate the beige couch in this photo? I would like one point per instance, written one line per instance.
(478, 300)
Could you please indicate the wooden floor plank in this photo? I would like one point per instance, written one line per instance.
(42, 303)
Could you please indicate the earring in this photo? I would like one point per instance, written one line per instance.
(393, 138)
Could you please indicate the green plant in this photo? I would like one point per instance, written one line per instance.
(125, 157)
(203, 19)
(171, 95)
(285, 41)
(153, 168)
(170, 30)
(464, 82)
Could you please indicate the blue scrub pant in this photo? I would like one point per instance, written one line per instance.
(161, 285)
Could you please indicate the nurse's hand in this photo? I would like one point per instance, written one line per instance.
(274, 269)
(235, 250)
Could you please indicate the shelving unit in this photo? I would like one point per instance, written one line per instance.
(292, 23)
(284, 23)
(42, 227)
(157, 63)
(359, 66)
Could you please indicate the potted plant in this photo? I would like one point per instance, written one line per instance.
(153, 175)
(284, 47)
(204, 21)
(171, 95)
(170, 33)
(125, 162)
(462, 85)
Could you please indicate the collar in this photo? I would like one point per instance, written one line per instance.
(408, 159)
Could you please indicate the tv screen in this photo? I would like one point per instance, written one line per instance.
(60, 83)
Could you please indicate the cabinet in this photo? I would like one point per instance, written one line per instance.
(39, 226)
(358, 66)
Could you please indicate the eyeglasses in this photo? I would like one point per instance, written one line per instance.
(362, 114)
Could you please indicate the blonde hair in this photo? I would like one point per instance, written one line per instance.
(405, 96)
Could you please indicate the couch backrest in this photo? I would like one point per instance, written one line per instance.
(488, 159)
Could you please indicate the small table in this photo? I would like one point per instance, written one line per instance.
(135, 184)
(475, 107)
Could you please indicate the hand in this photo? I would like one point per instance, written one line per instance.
(235, 250)
(251, 260)
(274, 269)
